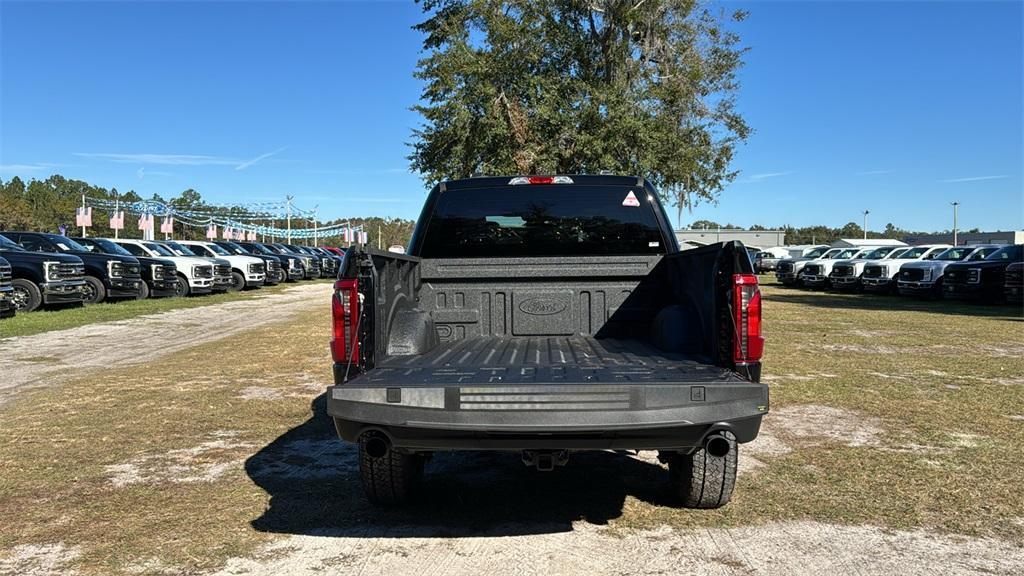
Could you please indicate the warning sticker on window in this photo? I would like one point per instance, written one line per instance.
(631, 200)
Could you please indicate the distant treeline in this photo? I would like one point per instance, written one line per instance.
(822, 234)
(45, 205)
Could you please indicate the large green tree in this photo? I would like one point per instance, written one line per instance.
(642, 87)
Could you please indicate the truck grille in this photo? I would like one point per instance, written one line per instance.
(812, 269)
(962, 276)
(912, 274)
(786, 267)
(5, 275)
(874, 271)
(273, 266)
(1014, 277)
(133, 271)
(843, 270)
(204, 271)
(70, 271)
(222, 270)
(256, 268)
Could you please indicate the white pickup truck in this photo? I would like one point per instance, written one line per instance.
(195, 275)
(246, 271)
(787, 271)
(815, 272)
(846, 273)
(880, 275)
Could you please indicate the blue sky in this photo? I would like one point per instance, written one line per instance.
(895, 107)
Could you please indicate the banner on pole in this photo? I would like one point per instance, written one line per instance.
(211, 232)
(83, 217)
(364, 237)
(117, 220)
(145, 222)
(167, 226)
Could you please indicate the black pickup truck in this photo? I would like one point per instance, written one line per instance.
(981, 280)
(544, 315)
(106, 275)
(6, 291)
(39, 278)
(159, 275)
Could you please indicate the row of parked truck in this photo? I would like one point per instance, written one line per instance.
(39, 269)
(983, 272)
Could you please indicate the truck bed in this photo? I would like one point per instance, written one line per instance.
(552, 359)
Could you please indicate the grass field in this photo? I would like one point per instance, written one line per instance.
(47, 319)
(885, 412)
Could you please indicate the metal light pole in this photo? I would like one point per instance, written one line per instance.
(866, 212)
(955, 204)
(289, 219)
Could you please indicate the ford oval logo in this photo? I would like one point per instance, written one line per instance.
(541, 306)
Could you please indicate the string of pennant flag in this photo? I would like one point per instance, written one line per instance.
(240, 227)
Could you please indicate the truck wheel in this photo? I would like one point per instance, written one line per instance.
(237, 281)
(181, 287)
(389, 477)
(94, 290)
(143, 291)
(282, 276)
(704, 480)
(26, 296)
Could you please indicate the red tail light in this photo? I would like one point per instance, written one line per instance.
(749, 344)
(345, 311)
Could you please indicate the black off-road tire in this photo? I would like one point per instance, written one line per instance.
(143, 291)
(181, 287)
(95, 291)
(391, 479)
(237, 281)
(27, 296)
(702, 480)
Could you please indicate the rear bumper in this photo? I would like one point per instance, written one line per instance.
(549, 416)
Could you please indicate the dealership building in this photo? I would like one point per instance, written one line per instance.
(756, 238)
(969, 238)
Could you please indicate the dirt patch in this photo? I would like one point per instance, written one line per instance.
(813, 422)
(259, 393)
(203, 463)
(40, 560)
(797, 548)
(141, 340)
(860, 348)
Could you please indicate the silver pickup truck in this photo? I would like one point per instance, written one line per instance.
(924, 277)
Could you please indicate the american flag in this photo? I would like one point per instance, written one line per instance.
(117, 220)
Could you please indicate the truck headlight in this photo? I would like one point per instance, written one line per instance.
(116, 269)
(51, 271)
(926, 275)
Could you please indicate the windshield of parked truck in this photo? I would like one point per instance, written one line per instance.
(897, 253)
(953, 254)
(233, 248)
(178, 249)
(816, 253)
(980, 254)
(1013, 253)
(106, 246)
(843, 254)
(542, 220)
(66, 244)
(159, 249)
(915, 253)
(878, 253)
(6, 244)
(260, 248)
(217, 249)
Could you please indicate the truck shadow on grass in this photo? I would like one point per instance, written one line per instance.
(862, 301)
(312, 479)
